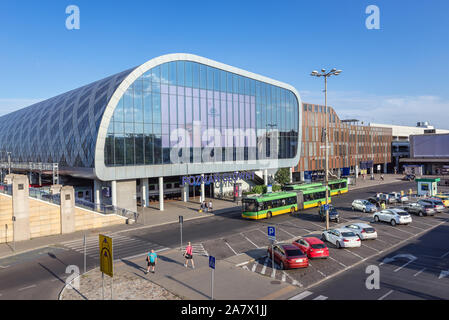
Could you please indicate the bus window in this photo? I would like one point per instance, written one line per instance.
(250, 205)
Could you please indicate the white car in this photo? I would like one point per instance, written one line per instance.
(393, 216)
(341, 238)
(363, 230)
(363, 205)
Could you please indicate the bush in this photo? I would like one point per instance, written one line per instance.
(277, 187)
(259, 189)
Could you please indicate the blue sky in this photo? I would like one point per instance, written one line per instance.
(397, 74)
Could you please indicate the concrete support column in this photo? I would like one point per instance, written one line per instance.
(265, 177)
(301, 176)
(291, 175)
(161, 193)
(67, 209)
(20, 208)
(97, 188)
(203, 193)
(114, 193)
(145, 194)
(185, 192)
(40, 179)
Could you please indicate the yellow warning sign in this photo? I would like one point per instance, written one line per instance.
(106, 255)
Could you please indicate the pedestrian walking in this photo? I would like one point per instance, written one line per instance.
(210, 205)
(204, 206)
(188, 254)
(152, 260)
(382, 177)
(382, 205)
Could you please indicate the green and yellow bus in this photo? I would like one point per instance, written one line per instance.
(309, 195)
(338, 186)
(301, 186)
(269, 204)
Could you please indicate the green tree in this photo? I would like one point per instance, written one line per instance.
(282, 176)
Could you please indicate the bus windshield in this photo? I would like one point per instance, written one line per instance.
(249, 205)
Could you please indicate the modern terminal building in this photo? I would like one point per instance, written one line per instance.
(174, 116)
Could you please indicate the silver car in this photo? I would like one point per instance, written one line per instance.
(363, 205)
(393, 216)
(363, 230)
(341, 238)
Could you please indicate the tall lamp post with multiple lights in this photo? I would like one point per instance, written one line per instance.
(333, 72)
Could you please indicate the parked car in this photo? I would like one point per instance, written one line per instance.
(363, 230)
(363, 205)
(444, 198)
(420, 208)
(386, 198)
(393, 216)
(341, 238)
(436, 203)
(288, 256)
(410, 177)
(375, 202)
(398, 197)
(333, 214)
(312, 247)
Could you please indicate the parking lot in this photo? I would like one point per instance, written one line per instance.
(307, 223)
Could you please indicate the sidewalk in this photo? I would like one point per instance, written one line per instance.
(172, 281)
(388, 178)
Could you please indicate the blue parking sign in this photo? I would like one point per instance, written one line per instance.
(272, 233)
(325, 207)
(211, 262)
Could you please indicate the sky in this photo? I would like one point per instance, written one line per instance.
(397, 74)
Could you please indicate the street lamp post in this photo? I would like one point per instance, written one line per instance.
(333, 72)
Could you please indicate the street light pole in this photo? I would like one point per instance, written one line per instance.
(323, 73)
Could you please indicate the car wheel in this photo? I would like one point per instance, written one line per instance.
(420, 214)
(269, 215)
(338, 245)
(393, 222)
(376, 218)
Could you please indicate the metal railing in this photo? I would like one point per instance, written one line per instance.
(45, 195)
(106, 209)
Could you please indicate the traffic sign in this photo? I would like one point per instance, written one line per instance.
(325, 207)
(272, 233)
(181, 219)
(106, 255)
(211, 262)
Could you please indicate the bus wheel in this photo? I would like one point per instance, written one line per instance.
(269, 215)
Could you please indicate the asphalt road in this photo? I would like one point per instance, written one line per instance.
(42, 275)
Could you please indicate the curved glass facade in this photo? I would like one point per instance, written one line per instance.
(191, 96)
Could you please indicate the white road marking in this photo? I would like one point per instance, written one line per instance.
(294, 282)
(298, 226)
(321, 298)
(444, 255)
(404, 265)
(250, 241)
(284, 277)
(419, 272)
(273, 273)
(293, 236)
(385, 295)
(321, 227)
(343, 265)
(301, 296)
(29, 287)
(370, 247)
(254, 267)
(354, 254)
(324, 276)
(429, 225)
(264, 266)
(377, 239)
(245, 267)
(4, 267)
(231, 248)
(404, 231)
(417, 228)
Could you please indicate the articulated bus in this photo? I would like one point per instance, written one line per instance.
(269, 204)
(338, 186)
(313, 196)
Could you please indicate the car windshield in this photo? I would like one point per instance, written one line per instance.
(333, 211)
(294, 252)
(348, 234)
(365, 202)
(318, 246)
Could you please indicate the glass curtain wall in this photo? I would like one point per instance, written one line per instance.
(180, 94)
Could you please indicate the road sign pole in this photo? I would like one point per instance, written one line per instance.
(102, 279)
(84, 253)
(112, 288)
(13, 234)
(272, 255)
(212, 285)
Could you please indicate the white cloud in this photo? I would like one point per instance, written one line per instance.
(398, 110)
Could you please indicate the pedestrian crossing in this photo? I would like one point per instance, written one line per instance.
(198, 249)
(264, 267)
(308, 295)
(123, 246)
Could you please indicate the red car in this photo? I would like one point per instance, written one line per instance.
(313, 247)
(288, 256)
